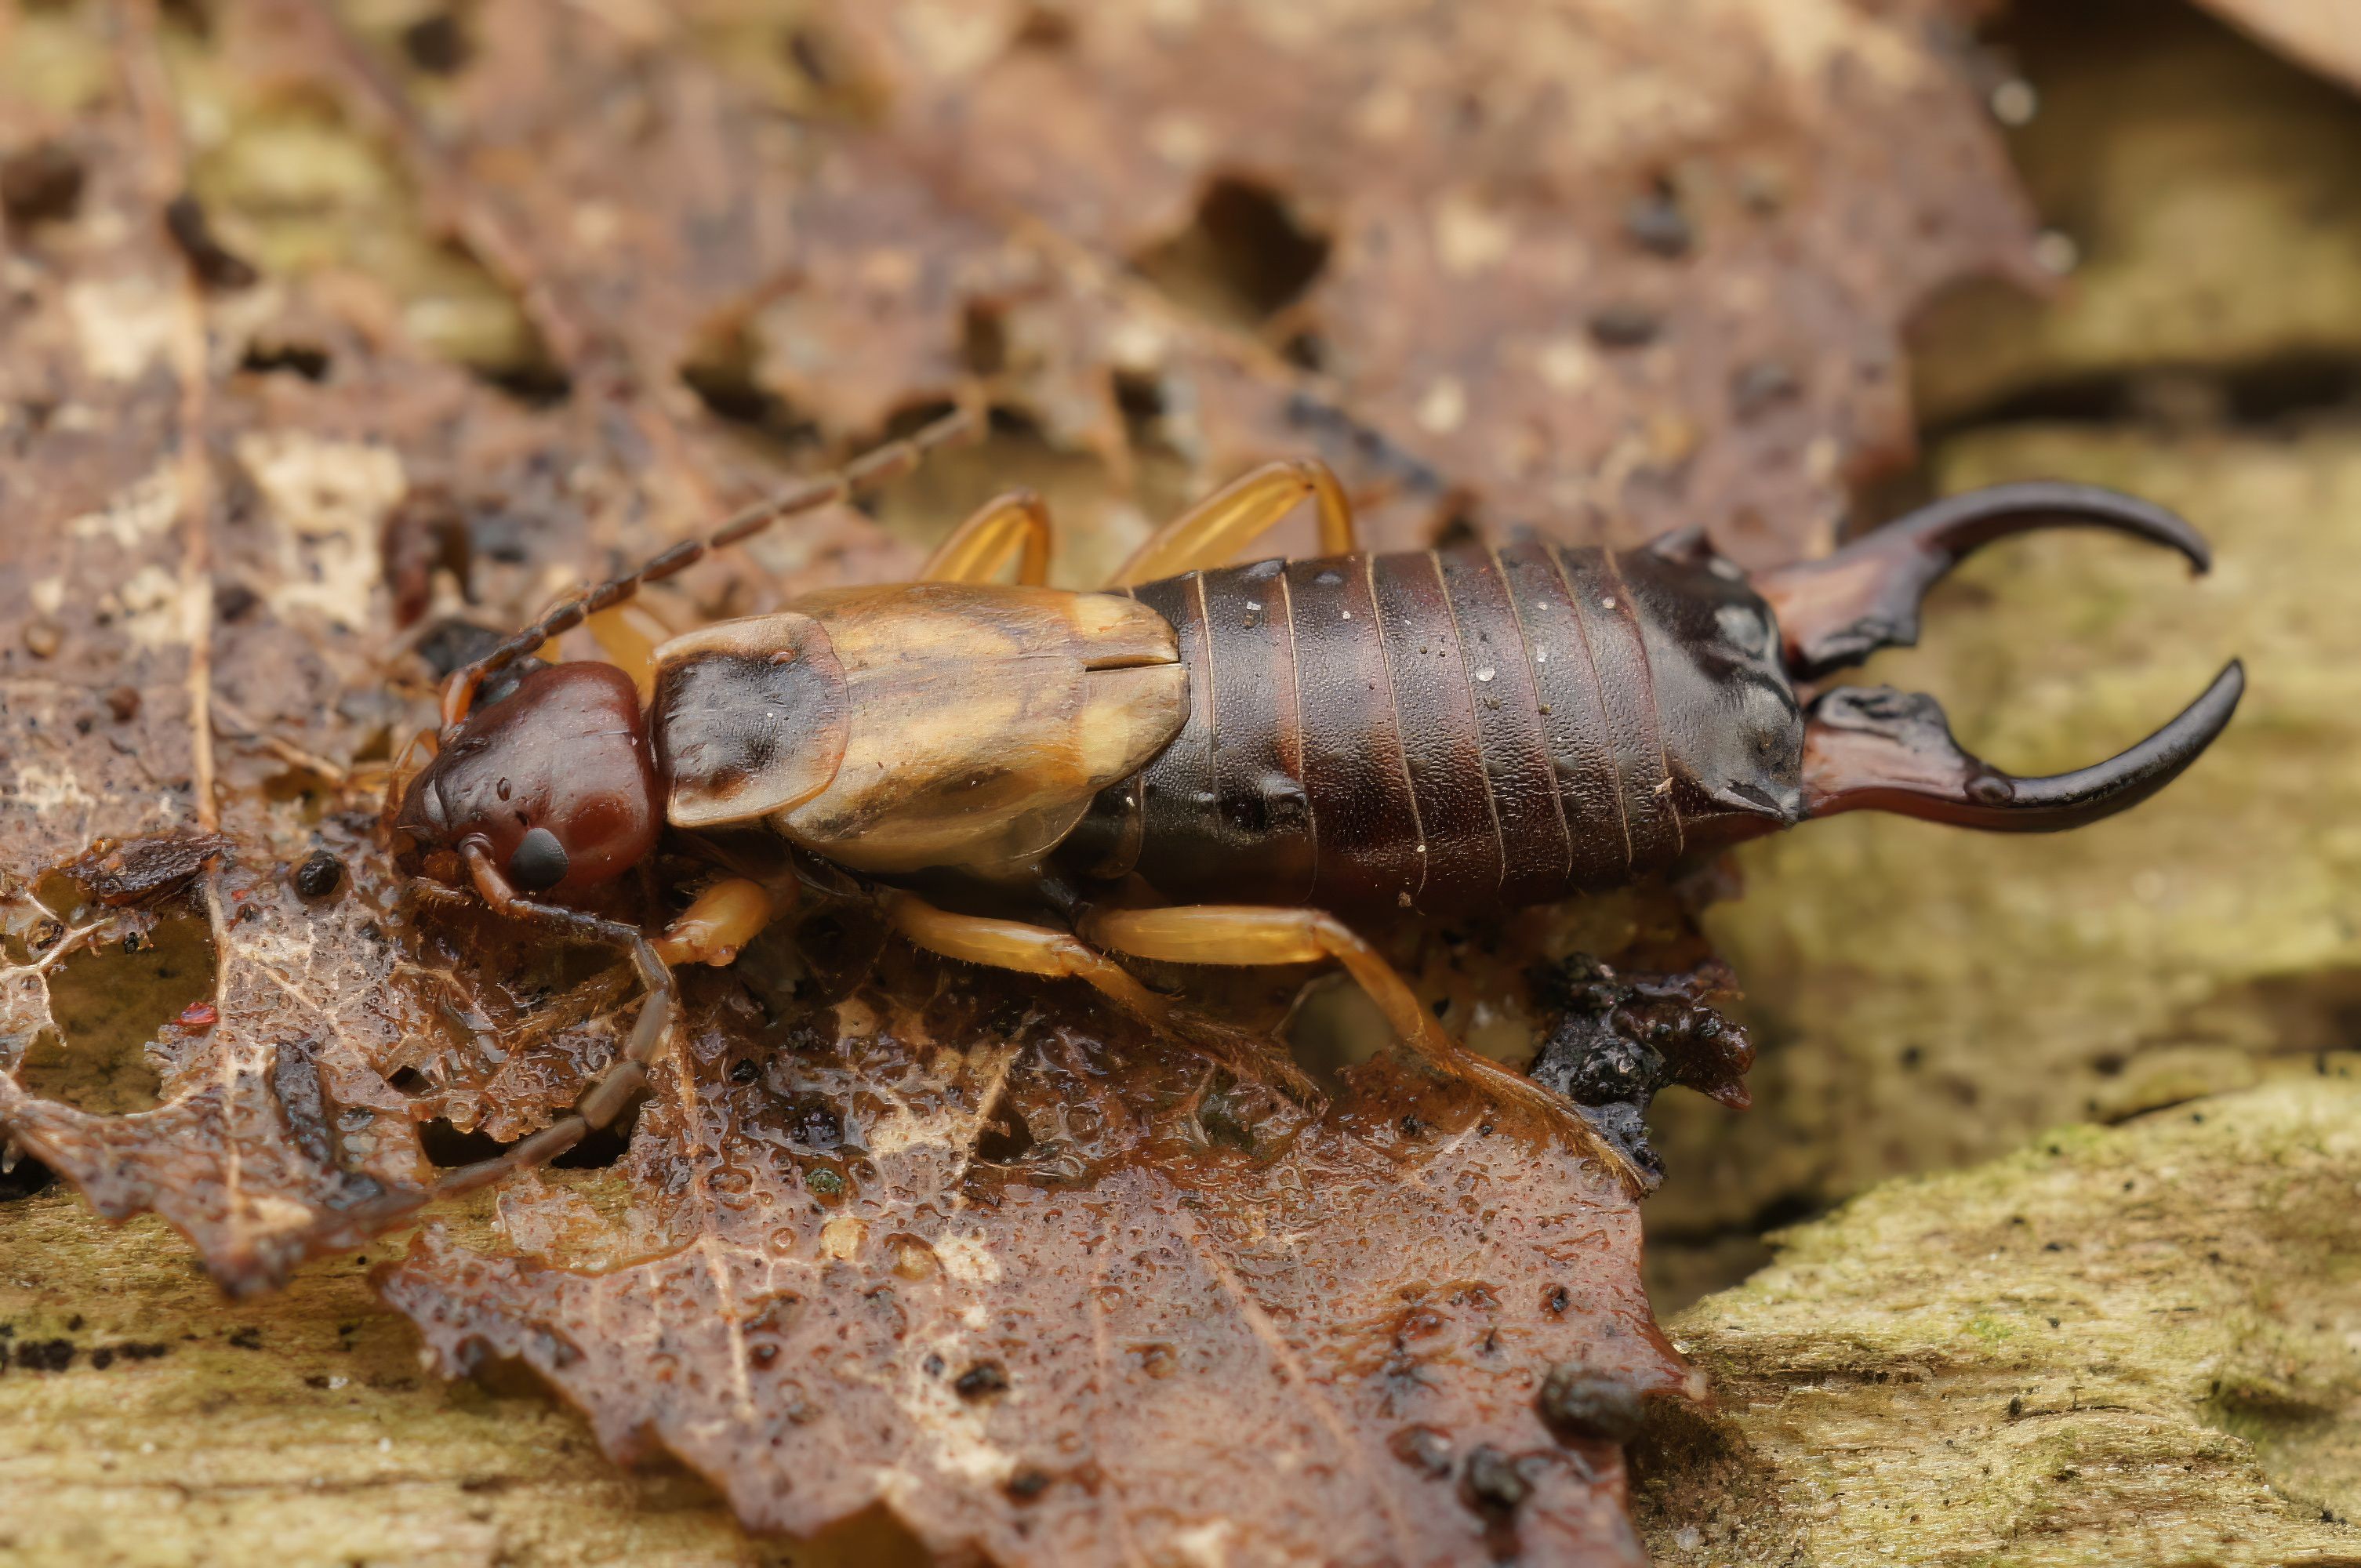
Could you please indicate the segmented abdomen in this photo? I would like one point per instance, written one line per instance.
(1439, 730)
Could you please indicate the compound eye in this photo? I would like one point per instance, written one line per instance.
(539, 862)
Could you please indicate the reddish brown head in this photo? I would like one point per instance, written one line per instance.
(552, 779)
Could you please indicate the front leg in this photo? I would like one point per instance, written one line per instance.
(1247, 934)
(722, 920)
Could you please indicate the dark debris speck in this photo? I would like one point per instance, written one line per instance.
(320, 876)
(1625, 326)
(43, 1355)
(435, 44)
(1656, 224)
(982, 1381)
(1580, 1403)
(1493, 1483)
(215, 265)
(42, 183)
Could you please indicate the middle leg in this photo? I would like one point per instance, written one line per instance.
(1015, 524)
(1247, 934)
(1043, 950)
(1212, 533)
(1014, 944)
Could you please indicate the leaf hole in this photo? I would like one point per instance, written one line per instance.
(1306, 350)
(1242, 259)
(447, 1147)
(723, 369)
(983, 338)
(110, 1000)
(813, 55)
(24, 1179)
(215, 263)
(1337, 1027)
(829, 79)
(1044, 28)
(1139, 395)
(438, 44)
(344, 201)
(1457, 527)
(1006, 1141)
(308, 360)
(912, 418)
(601, 1147)
(535, 380)
(451, 642)
(41, 184)
(484, 327)
(192, 17)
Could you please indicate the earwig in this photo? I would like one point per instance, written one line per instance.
(1309, 742)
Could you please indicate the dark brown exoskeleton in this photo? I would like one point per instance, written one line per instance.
(1277, 747)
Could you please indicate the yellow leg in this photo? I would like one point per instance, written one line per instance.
(1249, 934)
(1214, 531)
(1015, 524)
(1013, 944)
(724, 918)
(629, 634)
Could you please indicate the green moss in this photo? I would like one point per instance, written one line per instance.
(2111, 1346)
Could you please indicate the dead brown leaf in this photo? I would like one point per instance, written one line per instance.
(1053, 1289)
(145, 871)
(1596, 270)
(885, 1230)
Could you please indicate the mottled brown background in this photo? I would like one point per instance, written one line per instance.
(1774, 265)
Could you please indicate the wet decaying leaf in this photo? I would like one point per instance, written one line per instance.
(524, 295)
(268, 1107)
(1045, 1285)
(1589, 268)
(145, 870)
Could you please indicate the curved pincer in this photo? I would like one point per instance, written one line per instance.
(1880, 750)
(1875, 749)
(1838, 611)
